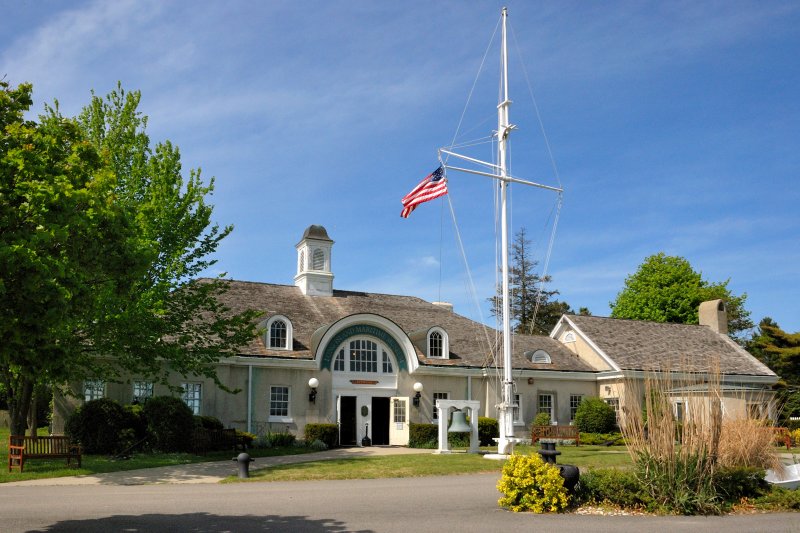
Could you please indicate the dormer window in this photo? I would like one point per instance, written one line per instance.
(539, 357)
(278, 334)
(438, 346)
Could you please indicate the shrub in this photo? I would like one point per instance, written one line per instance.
(245, 438)
(598, 439)
(327, 433)
(97, 426)
(170, 423)
(208, 422)
(542, 419)
(278, 440)
(779, 499)
(796, 437)
(488, 429)
(595, 416)
(530, 484)
(613, 486)
(318, 445)
(736, 482)
(423, 435)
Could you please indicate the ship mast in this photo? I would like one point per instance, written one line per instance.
(499, 171)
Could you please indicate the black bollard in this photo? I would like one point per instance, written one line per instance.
(244, 461)
(570, 473)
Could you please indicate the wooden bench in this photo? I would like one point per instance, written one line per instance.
(22, 448)
(556, 432)
(783, 436)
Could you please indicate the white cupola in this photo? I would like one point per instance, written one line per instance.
(314, 276)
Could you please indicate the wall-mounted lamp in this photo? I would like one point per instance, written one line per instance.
(312, 395)
(418, 389)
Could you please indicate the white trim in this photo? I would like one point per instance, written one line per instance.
(371, 320)
(289, 333)
(445, 343)
(280, 418)
(605, 357)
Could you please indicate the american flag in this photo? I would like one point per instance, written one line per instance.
(433, 186)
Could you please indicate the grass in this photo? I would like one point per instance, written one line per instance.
(98, 464)
(427, 464)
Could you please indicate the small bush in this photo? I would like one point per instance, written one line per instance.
(327, 433)
(170, 423)
(279, 440)
(779, 499)
(245, 438)
(423, 435)
(530, 484)
(208, 422)
(598, 439)
(734, 483)
(796, 437)
(542, 419)
(595, 416)
(613, 486)
(97, 426)
(317, 445)
(488, 429)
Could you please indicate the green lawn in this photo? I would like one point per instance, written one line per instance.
(97, 464)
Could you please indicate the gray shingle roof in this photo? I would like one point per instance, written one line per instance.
(650, 346)
(468, 344)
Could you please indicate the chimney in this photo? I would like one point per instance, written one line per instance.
(444, 305)
(714, 314)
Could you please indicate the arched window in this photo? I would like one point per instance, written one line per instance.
(318, 262)
(363, 356)
(278, 333)
(538, 357)
(568, 337)
(438, 344)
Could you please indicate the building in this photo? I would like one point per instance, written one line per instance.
(375, 362)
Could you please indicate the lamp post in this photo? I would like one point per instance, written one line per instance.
(418, 389)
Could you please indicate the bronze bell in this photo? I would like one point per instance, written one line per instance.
(459, 423)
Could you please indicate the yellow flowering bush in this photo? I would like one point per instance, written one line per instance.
(530, 484)
(796, 437)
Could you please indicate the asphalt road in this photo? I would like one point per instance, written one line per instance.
(437, 504)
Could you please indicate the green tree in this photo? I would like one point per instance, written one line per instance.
(667, 289)
(63, 239)
(102, 239)
(780, 351)
(525, 288)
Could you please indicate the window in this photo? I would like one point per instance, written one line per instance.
(438, 344)
(93, 389)
(387, 363)
(363, 356)
(568, 337)
(680, 410)
(546, 405)
(318, 261)
(399, 412)
(279, 401)
(574, 402)
(614, 402)
(277, 334)
(435, 346)
(193, 396)
(518, 409)
(538, 357)
(438, 396)
(142, 391)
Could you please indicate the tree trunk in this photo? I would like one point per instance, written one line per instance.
(19, 402)
(33, 412)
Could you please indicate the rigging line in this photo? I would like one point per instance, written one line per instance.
(547, 257)
(475, 82)
(536, 108)
(473, 292)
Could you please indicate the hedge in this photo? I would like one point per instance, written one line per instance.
(327, 433)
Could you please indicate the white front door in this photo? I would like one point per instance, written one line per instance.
(398, 421)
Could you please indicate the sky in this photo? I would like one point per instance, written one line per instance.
(672, 127)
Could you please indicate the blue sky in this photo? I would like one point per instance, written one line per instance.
(675, 127)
